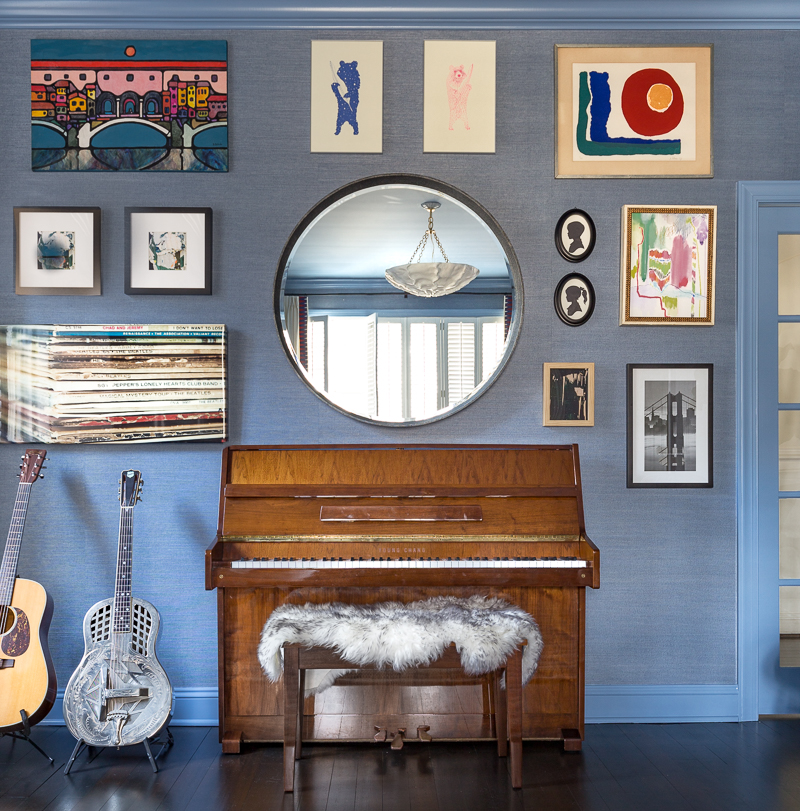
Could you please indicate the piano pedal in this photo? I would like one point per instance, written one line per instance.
(423, 734)
(397, 741)
(380, 734)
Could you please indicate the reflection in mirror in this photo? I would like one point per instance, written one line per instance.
(379, 353)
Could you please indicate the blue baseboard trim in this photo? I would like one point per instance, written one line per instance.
(661, 703)
(194, 707)
(605, 704)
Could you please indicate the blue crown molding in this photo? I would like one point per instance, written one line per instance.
(410, 14)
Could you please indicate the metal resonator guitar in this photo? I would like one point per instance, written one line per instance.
(119, 694)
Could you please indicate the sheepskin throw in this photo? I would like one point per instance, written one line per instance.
(486, 631)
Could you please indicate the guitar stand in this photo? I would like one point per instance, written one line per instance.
(156, 740)
(25, 735)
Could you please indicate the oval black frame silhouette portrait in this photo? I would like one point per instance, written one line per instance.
(561, 312)
(588, 235)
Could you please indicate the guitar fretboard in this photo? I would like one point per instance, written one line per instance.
(8, 569)
(122, 586)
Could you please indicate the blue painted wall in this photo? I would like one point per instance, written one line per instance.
(666, 612)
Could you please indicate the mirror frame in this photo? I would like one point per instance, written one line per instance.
(421, 181)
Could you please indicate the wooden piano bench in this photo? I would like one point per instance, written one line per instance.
(506, 709)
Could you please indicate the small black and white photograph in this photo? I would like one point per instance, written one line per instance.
(568, 394)
(575, 235)
(669, 435)
(574, 299)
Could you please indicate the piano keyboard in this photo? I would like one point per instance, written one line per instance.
(410, 563)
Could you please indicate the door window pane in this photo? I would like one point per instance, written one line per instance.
(789, 274)
(789, 363)
(790, 625)
(790, 538)
(789, 450)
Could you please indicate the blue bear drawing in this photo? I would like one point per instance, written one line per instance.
(348, 104)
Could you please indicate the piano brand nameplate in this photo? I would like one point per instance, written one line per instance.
(401, 513)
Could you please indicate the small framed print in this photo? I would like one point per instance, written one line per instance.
(346, 96)
(668, 266)
(568, 390)
(575, 235)
(168, 251)
(459, 96)
(57, 251)
(574, 299)
(670, 425)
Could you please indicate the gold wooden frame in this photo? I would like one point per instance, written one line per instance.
(588, 421)
(649, 166)
(625, 317)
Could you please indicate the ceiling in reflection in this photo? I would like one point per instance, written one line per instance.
(380, 227)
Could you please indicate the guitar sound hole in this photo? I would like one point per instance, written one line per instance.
(10, 619)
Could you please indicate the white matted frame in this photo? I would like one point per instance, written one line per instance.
(347, 96)
(184, 235)
(568, 394)
(459, 96)
(670, 424)
(634, 111)
(57, 251)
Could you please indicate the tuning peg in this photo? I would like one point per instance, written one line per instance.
(23, 458)
(41, 475)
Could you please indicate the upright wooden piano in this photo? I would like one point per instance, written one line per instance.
(368, 523)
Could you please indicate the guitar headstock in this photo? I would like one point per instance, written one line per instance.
(32, 464)
(130, 488)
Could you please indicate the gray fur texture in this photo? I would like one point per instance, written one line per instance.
(401, 635)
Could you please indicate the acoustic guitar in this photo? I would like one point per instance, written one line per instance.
(119, 694)
(27, 675)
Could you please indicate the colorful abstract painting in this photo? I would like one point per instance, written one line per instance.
(459, 96)
(129, 105)
(346, 96)
(668, 261)
(633, 111)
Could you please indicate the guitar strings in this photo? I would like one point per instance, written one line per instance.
(12, 549)
(121, 623)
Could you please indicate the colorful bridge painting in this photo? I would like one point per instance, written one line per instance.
(129, 105)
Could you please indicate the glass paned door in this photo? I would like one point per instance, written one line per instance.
(778, 372)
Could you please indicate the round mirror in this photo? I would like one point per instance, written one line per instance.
(389, 339)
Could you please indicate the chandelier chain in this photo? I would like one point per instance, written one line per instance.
(434, 238)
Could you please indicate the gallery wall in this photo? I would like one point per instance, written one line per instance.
(666, 610)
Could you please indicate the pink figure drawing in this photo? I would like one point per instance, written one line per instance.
(458, 88)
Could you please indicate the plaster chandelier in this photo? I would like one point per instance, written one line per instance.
(430, 279)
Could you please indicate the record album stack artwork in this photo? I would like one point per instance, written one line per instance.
(79, 383)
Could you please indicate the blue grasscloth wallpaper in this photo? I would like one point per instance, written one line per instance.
(666, 611)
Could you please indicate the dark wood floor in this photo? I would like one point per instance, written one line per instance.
(623, 766)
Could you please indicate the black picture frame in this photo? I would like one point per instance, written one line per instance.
(567, 299)
(198, 283)
(68, 219)
(575, 246)
(688, 464)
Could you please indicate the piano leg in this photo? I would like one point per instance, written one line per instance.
(301, 689)
(232, 742)
(500, 708)
(514, 698)
(291, 694)
(572, 740)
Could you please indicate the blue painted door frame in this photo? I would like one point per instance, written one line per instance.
(765, 209)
